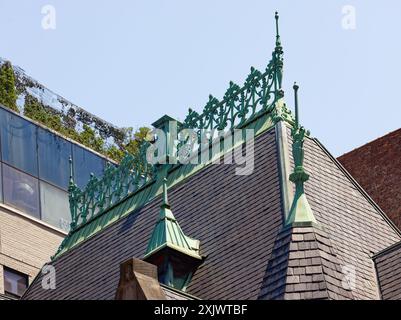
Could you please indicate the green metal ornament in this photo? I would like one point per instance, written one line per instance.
(300, 211)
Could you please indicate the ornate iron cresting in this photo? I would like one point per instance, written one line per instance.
(259, 94)
(116, 183)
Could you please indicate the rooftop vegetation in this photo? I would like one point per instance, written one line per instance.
(128, 138)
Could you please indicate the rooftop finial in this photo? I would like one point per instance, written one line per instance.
(296, 87)
(278, 41)
(165, 197)
(300, 211)
(71, 171)
(278, 60)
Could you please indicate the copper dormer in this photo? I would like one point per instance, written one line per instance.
(175, 254)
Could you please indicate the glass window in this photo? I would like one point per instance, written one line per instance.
(15, 283)
(21, 191)
(3, 113)
(85, 163)
(1, 185)
(18, 142)
(53, 152)
(55, 206)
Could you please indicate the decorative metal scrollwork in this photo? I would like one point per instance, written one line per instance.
(241, 104)
(260, 94)
(117, 182)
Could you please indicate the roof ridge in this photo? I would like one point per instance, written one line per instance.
(257, 104)
(260, 94)
(143, 195)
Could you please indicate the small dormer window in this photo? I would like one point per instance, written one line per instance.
(175, 254)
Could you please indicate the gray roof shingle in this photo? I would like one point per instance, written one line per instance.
(217, 207)
(172, 294)
(356, 227)
(388, 264)
(303, 265)
(237, 219)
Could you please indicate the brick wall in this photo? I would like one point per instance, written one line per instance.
(25, 244)
(377, 168)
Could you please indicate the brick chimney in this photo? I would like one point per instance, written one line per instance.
(138, 281)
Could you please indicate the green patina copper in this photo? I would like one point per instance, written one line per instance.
(168, 233)
(300, 211)
(117, 182)
(168, 153)
(259, 93)
(146, 193)
(257, 105)
(175, 254)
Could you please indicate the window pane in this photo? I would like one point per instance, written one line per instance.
(1, 184)
(15, 283)
(53, 153)
(85, 163)
(3, 114)
(21, 191)
(18, 142)
(55, 206)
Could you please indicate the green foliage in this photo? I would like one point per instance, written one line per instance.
(88, 137)
(133, 144)
(130, 144)
(114, 153)
(35, 110)
(50, 118)
(8, 96)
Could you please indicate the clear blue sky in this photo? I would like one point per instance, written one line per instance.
(130, 62)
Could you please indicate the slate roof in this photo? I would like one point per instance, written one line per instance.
(144, 195)
(172, 294)
(218, 214)
(388, 264)
(355, 225)
(238, 220)
(5, 297)
(304, 265)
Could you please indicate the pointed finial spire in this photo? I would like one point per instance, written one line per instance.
(300, 212)
(72, 189)
(278, 61)
(71, 171)
(296, 87)
(278, 41)
(176, 255)
(165, 197)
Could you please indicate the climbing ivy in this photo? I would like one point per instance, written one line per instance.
(8, 96)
